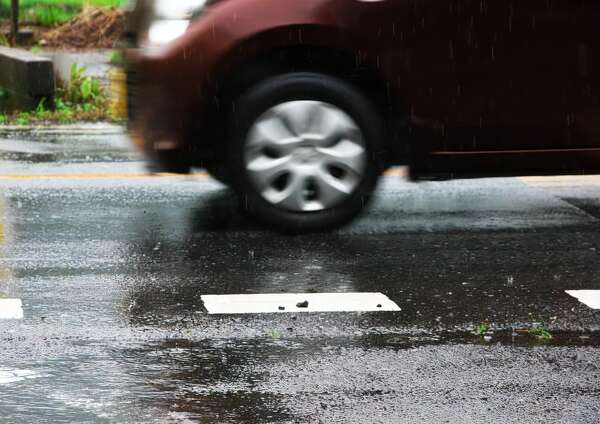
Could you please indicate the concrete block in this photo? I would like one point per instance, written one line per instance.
(24, 36)
(25, 79)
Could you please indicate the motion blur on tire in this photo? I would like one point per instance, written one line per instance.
(299, 106)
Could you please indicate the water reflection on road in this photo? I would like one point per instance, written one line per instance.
(112, 272)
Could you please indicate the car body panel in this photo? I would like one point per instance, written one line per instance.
(490, 86)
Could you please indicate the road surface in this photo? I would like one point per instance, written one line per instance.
(111, 266)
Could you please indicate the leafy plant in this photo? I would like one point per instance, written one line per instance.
(115, 58)
(3, 119)
(540, 333)
(59, 104)
(24, 119)
(90, 89)
(81, 98)
(76, 78)
(481, 329)
(41, 111)
(40, 107)
(82, 89)
(65, 116)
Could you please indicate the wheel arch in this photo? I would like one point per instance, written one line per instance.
(250, 62)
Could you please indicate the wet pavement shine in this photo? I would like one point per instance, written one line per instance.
(111, 265)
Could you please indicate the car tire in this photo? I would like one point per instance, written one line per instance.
(219, 171)
(330, 174)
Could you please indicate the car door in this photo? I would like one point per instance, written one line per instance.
(578, 92)
(545, 76)
(517, 75)
(485, 76)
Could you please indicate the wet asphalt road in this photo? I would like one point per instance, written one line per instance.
(110, 265)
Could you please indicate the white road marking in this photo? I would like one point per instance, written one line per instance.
(297, 302)
(12, 376)
(11, 309)
(590, 298)
(562, 180)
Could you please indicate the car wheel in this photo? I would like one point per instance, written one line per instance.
(304, 151)
(219, 172)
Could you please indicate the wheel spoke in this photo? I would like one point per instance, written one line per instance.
(332, 125)
(293, 196)
(271, 133)
(265, 170)
(297, 116)
(347, 155)
(331, 190)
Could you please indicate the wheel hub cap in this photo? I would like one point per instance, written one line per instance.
(305, 155)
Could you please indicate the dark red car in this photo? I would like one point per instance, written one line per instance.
(300, 105)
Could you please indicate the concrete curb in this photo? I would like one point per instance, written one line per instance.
(27, 79)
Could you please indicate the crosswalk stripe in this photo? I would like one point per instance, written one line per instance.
(590, 298)
(297, 302)
(11, 309)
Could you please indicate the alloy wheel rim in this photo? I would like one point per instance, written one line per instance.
(305, 155)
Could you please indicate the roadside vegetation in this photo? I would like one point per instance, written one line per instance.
(49, 13)
(538, 332)
(69, 25)
(82, 98)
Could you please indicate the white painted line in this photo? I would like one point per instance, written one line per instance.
(11, 309)
(590, 298)
(297, 302)
(13, 376)
(562, 180)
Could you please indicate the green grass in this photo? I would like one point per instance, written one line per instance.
(53, 12)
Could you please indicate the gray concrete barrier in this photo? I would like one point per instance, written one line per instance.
(25, 79)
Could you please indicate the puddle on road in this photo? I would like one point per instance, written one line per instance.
(47, 146)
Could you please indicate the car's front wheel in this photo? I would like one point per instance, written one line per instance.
(304, 151)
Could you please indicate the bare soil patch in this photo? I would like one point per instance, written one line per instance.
(94, 28)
